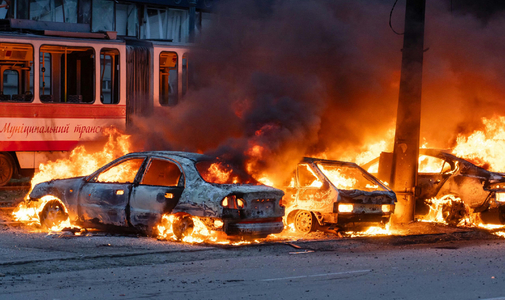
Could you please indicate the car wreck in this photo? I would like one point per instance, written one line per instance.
(134, 191)
(336, 194)
(465, 187)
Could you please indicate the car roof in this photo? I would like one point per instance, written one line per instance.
(336, 162)
(195, 157)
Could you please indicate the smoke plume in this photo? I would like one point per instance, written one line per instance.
(276, 80)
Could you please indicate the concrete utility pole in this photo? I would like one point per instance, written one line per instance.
(192, 20)
(408, 120)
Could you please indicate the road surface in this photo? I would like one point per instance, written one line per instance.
(464, 265)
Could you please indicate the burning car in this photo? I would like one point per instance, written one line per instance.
(336, 194)
(462, 186)
(136, 190)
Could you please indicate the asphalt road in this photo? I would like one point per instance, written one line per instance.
(462, 265)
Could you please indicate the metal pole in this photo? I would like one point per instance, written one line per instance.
(192, 20)
(408, 122)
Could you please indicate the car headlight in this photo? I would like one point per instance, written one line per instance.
(386, 208)
(500, 197)
(345, 208)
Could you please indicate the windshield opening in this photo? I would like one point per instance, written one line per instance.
(349, 178)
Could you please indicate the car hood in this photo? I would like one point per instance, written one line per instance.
(372, 197)
(55, 187)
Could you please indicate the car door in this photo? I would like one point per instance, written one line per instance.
(157, 192)
(433, 172)
(104, 198)
(312, 191)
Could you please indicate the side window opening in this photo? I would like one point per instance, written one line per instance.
(430, 164)
(306, 177)
(168, 91)
(109, 76)
(16, 72)
(123, 172)
(162, 173)
(67, 74)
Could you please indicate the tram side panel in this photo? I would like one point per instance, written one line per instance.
(53, 95)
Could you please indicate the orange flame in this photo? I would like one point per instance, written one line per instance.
(79, 163)
(485, 147)
(200, 233)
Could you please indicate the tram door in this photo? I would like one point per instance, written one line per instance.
(138, 78)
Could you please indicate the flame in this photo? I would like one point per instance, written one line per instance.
(436, 206)
(266, 181)
(200, 233)
(429, 164)
(337, 178)
(372, 231)
(484, 147)
(374, 149)
(82, 162)
(79, 163)
(220, 173)
(28, 212)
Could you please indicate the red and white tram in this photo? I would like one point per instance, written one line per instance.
(56, 92)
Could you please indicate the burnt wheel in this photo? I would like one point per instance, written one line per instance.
(304, 221)
(501, 214)
(453, 212)
(182, 226)
(53, 214)
(6, 168)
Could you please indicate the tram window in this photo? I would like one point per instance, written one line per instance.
(184, 73)
(16, 72)
(53, 10)
(168, 78)
(67, 74)
(109, 76)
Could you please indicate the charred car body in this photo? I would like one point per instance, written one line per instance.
(443, 175)
(336, 194)
(135, 190)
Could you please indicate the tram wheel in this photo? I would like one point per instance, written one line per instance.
(6, 168)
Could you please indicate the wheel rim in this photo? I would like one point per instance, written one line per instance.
(453, 213)
(182, 226)
(303, 221)
(54, 215)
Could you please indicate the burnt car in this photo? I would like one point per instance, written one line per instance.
(134, 191)
(465, 187)
(336, 195)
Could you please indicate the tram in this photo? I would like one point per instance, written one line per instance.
(56, 92)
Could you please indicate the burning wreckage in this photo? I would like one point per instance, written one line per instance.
(178, 192)
(451, 185)
(336, 194)
(137, 192)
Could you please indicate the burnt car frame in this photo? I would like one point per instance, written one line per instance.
(314, 198)
(481, 191)
(160, 182)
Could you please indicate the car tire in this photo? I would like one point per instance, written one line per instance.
(501, 214)
(182, 226)
(304, 221)
(53, 214)
(6, 168)
(453, 212)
